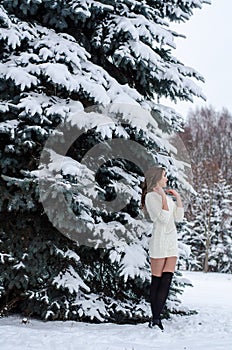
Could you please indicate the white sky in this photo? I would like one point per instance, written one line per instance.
(208, 49)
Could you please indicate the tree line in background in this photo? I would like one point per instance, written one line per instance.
(208, 138)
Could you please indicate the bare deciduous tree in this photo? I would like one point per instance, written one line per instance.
(208, 138)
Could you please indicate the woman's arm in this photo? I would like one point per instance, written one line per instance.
(179, 209)
(161, 192)
(157, 207)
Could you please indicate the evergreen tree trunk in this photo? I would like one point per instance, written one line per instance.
(208, 237)
(207, 247)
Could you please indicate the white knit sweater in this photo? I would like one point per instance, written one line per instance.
(163, 242)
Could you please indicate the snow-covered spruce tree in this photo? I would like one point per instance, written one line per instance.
(57, 58)
(220, 259)
(187, 259)
(210, 234)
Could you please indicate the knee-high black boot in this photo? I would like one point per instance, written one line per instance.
(155, 282)
(162, 295)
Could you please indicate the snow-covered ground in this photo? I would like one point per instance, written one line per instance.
(211, 328)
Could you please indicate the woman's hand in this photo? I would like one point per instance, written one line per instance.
(173, 192)
(176, 194)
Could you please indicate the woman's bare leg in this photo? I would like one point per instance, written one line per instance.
(160, 265)
(170, 264)
(157, 265)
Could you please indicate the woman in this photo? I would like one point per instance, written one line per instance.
(163, 246)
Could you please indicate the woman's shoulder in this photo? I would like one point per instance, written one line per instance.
(153, 195)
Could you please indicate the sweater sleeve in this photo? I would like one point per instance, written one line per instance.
(178, 213)
(154, 207)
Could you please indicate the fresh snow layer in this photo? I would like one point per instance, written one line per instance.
(211, 328)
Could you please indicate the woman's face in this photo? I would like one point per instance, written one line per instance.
(163, 181)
